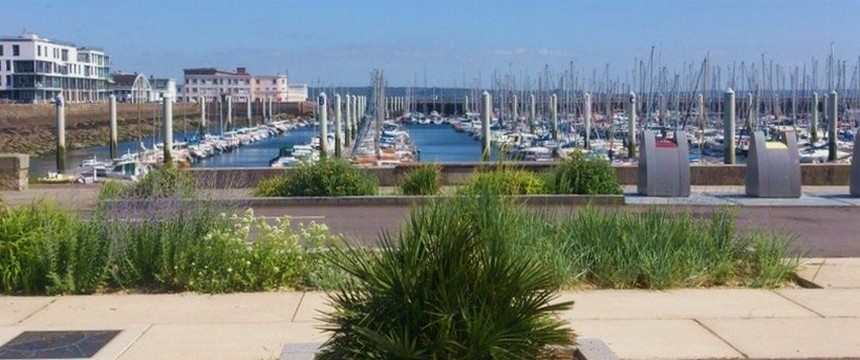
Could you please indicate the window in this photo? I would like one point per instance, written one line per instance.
(275, 81)
(258, 81)
(65, 55)
(16, 50)
(38, 50)
(1, 49)
(8, 67)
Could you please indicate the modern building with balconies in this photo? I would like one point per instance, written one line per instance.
(34, 69)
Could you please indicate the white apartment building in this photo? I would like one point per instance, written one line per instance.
(35, 69)
(240, 85)
(213, 83)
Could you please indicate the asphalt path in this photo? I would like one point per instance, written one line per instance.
(818, 231)
(815, 231)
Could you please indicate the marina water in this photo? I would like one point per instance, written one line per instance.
(437, 143)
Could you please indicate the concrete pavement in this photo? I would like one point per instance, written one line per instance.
(789, 323)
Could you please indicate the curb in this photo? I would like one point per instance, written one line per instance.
(599, 200)
(585, 349)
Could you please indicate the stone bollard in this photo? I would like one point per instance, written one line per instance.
(14, 172)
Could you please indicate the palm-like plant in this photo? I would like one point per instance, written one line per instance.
(452, 288)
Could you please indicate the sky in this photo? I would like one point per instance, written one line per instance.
(438, 42)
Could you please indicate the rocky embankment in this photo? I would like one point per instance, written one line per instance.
(31, 128)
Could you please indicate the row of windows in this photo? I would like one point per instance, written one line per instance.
(219, 81)
(216, 91)
(46, 67)
(229, 81)
(16, 50)
(44, 82)
(59, 53)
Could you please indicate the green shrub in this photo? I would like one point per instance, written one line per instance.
(166, 182)
(199, 250)
(581, 174)
(422, 180)
(326, 177)
(504, 181)
(151, 245)
(450, 288)
(45, 249)
(274, 186)
(251, 255)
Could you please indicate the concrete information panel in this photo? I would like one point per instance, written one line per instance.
(773, 168)
(664, 166)
(855, 167)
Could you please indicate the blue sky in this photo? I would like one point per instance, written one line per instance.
(340, 42)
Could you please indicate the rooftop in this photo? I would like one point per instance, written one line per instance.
(30, 37)
(125, 79)
(214, 71)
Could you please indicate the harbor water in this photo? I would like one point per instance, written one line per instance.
(437, 143)
(440, 143)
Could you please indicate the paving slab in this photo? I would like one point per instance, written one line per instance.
(844, 197)
(313, 305)
(839, 273)
(809, 268)
(108, 310)
(14, 309)
(790, 338)
(693, 199)
(220, 341)
(804, 200)
(681, 304)
(111, 351)
(656, 339)
(827, 302)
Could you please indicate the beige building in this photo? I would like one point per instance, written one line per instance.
(270, 87)
(298, 92)
(213, 83)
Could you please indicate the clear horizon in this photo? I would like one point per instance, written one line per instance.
(444, 43)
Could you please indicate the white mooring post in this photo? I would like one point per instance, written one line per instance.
(113, 129)
(61, 133)
(813, 122)
(486, 115)
(729, 126)
(168, 128)
(631, 127)
(587, 115)
(338, 146)
(322, 117)
(833, 118)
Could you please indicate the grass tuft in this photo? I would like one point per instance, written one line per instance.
(422, 180)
